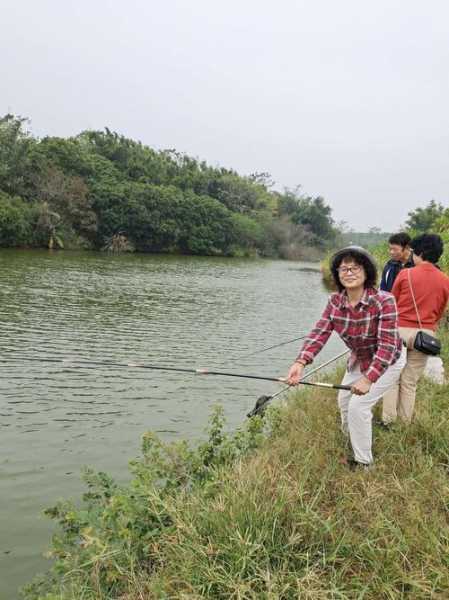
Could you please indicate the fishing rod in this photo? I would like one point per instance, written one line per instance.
(80, 363)
(301, 337)
(262, 401)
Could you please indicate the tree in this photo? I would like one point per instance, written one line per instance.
(262, 178)
(68, 197)
(17, 221)
(289, 240)
(312, 213)
(238, 193)
(422, 220)
(375, 231)
(101, 189)
(15, 147)
(48, 223)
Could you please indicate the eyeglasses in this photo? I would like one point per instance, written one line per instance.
(354, 269)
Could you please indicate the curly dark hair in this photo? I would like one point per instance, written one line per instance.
(361, 257)
(429, 246)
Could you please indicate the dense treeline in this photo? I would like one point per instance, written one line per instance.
(101, 190)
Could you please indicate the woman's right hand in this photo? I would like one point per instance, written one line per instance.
(295, 373)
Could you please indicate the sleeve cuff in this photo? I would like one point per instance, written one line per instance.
(372, 375)
(305, 357)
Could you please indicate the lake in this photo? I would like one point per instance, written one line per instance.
(172, 311)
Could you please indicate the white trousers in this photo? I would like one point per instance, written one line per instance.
(356, 415)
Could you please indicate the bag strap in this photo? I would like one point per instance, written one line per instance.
(413, 296)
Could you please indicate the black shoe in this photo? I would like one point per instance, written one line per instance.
(382, 425)
(355, 465)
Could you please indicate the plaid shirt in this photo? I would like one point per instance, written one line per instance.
(369, 329)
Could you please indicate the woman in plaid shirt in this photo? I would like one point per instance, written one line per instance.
(366, 319)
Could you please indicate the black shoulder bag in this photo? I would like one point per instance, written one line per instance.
(424, 342)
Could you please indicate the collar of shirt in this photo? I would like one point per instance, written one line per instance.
(364, 300)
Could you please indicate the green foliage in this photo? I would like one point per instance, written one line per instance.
(373, 237)
(17, 221)
(164, 219)
(312, 213)
(249, 235)
(238, 194)
(66, 155)
(423, 220)
(444, 260)
(16, 146)
(442, 228)
(99, 188)
(115, 536)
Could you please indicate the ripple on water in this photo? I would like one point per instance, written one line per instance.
(167, 311)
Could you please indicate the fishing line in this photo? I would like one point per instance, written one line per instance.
(304, 335)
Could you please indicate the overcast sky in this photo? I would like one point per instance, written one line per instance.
(350, 99)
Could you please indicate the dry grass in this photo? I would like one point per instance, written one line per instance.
(277, 516)
(293, 522)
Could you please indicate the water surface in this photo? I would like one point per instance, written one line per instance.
(163, 310)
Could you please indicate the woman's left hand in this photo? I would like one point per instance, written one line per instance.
(361, 387)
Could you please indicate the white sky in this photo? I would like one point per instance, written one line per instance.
(350, 99)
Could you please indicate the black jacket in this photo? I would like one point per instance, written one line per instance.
(391, 271)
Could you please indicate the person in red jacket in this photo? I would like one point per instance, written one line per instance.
(431, 291)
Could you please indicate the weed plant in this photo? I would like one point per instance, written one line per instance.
(269, 512)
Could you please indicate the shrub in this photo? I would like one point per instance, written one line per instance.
(17, 221)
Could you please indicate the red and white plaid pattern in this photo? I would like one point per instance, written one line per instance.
(369, 329)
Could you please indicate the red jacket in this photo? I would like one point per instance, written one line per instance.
(431, 289)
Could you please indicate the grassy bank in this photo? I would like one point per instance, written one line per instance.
(267, 512)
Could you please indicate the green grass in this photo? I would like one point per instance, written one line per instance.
(268, 512)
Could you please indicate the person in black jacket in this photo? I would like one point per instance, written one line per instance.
(401, 258)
